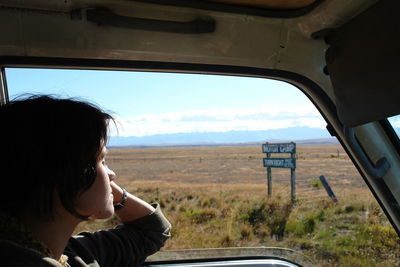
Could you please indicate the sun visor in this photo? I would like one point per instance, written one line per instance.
(363, 62)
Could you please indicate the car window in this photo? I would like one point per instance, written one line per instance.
(395, 123)
(193, 143)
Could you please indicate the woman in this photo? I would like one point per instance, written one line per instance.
(54, 176)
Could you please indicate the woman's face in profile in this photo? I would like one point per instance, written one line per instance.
(97, 201)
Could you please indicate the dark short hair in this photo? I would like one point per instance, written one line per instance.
(48, 145)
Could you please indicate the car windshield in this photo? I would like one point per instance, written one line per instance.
(197, 144)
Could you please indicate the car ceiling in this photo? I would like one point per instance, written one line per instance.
(67, 5)
(279, 4)
(285, 41)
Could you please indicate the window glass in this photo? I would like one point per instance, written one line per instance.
(193, 143)
(395, 122)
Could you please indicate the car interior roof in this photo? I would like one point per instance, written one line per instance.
(279, 4)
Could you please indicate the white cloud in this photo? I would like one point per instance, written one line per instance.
(311, 122)
(265, 118)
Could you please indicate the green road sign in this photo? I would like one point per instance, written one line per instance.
(279, 148)
(280, 162)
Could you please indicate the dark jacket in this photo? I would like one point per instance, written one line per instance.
(126, 245)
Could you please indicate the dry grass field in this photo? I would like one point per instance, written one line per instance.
(231, 165)
(216, 197)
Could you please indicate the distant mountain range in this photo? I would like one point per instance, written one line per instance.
(313, 135)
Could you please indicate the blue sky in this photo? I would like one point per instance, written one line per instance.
(158, 103)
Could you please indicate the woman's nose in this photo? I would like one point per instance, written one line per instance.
(111, 174)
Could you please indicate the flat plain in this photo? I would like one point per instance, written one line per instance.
(237, 165)
(217, 197)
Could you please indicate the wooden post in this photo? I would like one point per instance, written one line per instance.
(293, 185)
(328, 188)
(269, 178)
(293, 179)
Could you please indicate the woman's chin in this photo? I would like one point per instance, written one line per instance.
(104, 214)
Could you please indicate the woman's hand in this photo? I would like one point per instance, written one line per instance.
(134, 207)
(117, 192)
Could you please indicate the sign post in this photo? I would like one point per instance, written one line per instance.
(288, 148)
(269, 177)
(293, 178)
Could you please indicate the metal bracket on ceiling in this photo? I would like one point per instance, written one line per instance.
(103, 17)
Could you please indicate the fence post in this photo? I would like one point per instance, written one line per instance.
(328, 188)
